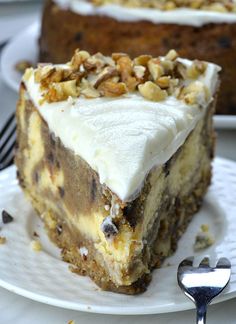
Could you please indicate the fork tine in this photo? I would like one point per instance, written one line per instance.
(188, 262)
(7, 138)
(6, 125)
(205, 262)
(223, 263)
(8, 151)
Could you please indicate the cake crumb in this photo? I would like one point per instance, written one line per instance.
(36, 245)
(71, 322)
(2, 240)
(203, 239)
(6, 217)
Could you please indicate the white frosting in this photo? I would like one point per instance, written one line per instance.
(180, 16)
(123, 138)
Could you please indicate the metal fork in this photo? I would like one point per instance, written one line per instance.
(201, 284)
(7, 142)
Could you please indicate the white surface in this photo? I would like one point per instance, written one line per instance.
(42, 276)
(180, 16)
(14, 52)
(15, 16)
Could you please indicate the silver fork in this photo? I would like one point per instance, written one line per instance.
(7, 142)
(201, 284)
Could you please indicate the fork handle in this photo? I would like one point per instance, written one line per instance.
(201, 314)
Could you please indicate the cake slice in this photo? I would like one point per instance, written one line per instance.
(115, 156)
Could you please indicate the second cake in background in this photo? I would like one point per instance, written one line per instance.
(203, 29)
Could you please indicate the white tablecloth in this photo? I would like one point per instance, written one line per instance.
(19, 310)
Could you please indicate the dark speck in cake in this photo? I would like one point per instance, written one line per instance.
(93, 190)
(78, 36)
(50, 157)
(36, 177)
(127, 212)
(36, 234)
(53, 139)
(224, 42)
(61, 192)
(6, 217)
(108, 227)
(166, 168)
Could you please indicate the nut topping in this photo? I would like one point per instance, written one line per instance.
(94, 76)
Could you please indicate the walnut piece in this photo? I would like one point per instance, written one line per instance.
(152, 91)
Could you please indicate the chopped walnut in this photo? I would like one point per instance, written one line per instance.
(93, 76)
(152, 91)
(124, 65)
(61, 91)
(78, 58)
(112, 89)
(195, 92)
(107, 73)
(155, 68)
(196, 69)
(171, 55)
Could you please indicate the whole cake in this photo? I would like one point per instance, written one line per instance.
(115, 156)
(203, 28)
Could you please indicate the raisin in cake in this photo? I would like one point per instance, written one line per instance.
(204, 29)
(115, 156)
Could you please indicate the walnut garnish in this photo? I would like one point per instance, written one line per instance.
(112, 89)
(195, 92)
(61, 91)
(94, 76)
(196, 69)
(78, 58)
(107, 73)
(152, 91)
(155, 68)
(124, 65)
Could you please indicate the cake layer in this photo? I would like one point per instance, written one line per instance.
(118, 253)
(210, 42)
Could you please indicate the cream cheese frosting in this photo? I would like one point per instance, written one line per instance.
(123, 138)
(180, 16)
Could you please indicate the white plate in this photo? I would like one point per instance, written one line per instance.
(16, 51)
(43, 277)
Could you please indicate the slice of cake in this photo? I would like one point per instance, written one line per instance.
(115, 156)
(204, 29)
